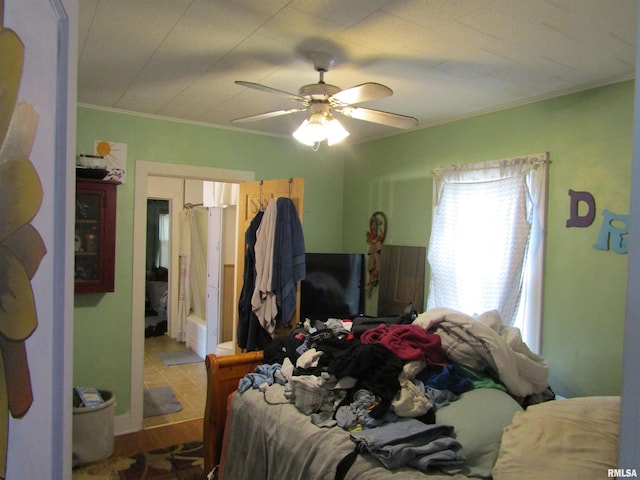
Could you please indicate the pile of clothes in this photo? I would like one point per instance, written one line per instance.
(393, 377)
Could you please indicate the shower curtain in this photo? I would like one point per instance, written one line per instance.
(193, 269)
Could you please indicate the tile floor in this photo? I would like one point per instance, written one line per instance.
(188, 381)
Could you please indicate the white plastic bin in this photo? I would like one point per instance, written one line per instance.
(93, 431)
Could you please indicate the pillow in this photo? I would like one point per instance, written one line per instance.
(479, 417)
(570, 439)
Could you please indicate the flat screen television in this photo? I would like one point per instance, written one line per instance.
(333, 286)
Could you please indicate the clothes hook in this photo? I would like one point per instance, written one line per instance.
(261, 200)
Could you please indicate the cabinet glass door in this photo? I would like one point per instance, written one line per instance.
(88, 232)
(95, 236)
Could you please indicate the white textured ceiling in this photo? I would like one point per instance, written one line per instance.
(444, 59)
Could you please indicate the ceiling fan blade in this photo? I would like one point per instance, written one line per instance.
(261, 116)
(361, 93)
(378, 116)
(264, 88)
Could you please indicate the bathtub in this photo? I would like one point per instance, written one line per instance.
(197, 338)
(197, 335)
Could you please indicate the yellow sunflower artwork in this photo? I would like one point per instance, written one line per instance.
(21, 246)
(115, 155)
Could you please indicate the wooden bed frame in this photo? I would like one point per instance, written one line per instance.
(223, 375)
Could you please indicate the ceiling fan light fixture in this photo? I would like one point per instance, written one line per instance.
(320, 99)
(313, 130)
(302, 134)
(318, 120)
(336, 132)
(319, 127)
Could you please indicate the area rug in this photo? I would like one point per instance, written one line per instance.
(180, 357)
(178, 462)
(160, 401)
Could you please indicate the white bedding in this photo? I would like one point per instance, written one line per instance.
(484, 342)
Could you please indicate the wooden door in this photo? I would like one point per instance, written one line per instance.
(252, 197)
(402, 271)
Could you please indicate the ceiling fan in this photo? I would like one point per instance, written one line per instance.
(321, 100)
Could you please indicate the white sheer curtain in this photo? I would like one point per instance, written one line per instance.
(198, 269)
(487, 240)
(164, 234)
(192, 279)
(178, 330)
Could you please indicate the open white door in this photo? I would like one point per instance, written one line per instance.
(214, 269)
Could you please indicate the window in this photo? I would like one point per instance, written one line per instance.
(487, 240)
(164, 232)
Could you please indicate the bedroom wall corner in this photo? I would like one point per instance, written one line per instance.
(589, 139)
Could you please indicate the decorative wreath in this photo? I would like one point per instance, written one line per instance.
(375, 238)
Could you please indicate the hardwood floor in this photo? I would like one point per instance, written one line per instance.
(157, 437)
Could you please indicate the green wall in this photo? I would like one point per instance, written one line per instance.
(589, 140)
(102, 322)
(588, 137)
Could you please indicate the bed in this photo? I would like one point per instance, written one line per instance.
(258, 434)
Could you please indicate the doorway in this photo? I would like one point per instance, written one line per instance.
(133, 421)
(182, 321)
(187, 380)
(157, 267)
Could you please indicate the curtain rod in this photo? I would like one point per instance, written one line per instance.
(490, 164)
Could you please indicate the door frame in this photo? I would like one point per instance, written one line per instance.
(174, 197)
(132, 421)
(214, 287)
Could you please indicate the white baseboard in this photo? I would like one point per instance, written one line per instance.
(122, 424)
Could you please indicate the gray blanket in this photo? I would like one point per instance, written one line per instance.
(277, 442)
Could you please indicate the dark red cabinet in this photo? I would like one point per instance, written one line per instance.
(95, 235)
